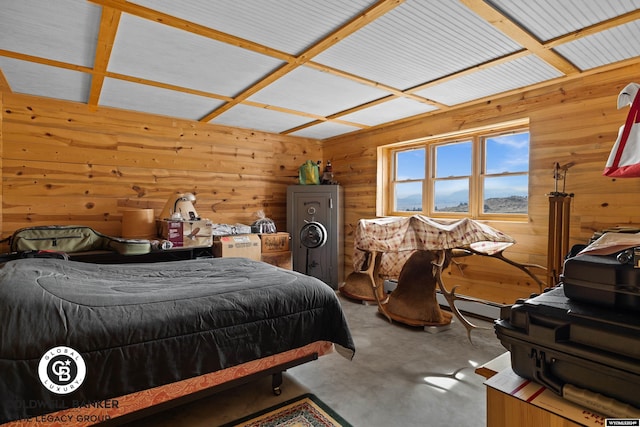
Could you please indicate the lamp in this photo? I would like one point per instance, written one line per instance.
(180, 207)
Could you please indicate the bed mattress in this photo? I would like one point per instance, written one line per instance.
(137, 326)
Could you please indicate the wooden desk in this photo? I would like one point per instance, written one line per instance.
(514, 401)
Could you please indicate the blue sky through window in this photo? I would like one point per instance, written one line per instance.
(454, 159)
(508, 153)
(411, 164)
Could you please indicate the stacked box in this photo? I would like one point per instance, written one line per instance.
(276, 249)
(275, 242)
(241, 245)
(279, 259)
(187, 233)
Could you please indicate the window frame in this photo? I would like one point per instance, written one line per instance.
(387, 172)
(410, 180)
(432, 180)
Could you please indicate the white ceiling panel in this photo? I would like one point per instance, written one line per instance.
(325, 130)
(357, 52)
(500, 78)
(417, 42)
(162, 53)
(287, 26)
(389, 111)
(548, 19)
(149, 99)
(316, 92)
(62, 30)
(244, 116)
(43, 80)
(603, 48)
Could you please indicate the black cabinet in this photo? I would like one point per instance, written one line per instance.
(315, 222)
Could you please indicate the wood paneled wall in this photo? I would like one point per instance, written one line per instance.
(64, 164)
(575, 121)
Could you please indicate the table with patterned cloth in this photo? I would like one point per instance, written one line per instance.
(398, 239)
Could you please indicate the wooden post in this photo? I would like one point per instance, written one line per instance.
(558, 240)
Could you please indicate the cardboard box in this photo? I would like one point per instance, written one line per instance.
(279, 259)
(187, 233)
(241, 245)
(275, 242)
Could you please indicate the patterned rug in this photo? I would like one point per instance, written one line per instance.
(303, 411)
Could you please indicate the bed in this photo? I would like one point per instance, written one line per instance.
(80, 338)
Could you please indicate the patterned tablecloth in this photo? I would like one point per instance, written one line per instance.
(398, 237)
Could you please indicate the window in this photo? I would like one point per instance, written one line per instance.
(452, 176)
(480, 174)
(410, 170)
(505, 174)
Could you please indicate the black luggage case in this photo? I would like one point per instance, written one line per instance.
(567, 346)
(602, 280)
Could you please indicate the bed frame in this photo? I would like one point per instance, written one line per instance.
(124, 409)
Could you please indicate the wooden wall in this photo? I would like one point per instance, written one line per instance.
(64, 164)
(575, 121)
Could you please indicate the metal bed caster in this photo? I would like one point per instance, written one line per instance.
(276, 382)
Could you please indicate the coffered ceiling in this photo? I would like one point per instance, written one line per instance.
(305, 67)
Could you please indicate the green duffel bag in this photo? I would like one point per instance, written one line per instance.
(73, 238)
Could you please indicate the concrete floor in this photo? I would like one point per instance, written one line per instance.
(400, 376)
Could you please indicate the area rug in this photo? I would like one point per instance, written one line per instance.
(303, 411)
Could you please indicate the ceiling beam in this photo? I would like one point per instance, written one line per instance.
(584, 32)
(109, 21)
(318, 118)
(379, 9)
(112, 10)
(507, 58)
(336, 117)
(497, 19)
(392, 90)
(373, 13)
(595, 28)
(285, 69)
(292, 62)
(520, 92)
(192, 27)
(520, 36)
(503, 23)
(168, 86)
(44, 61)
(550, 44)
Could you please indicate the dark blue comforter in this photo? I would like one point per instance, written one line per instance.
(138, 326)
